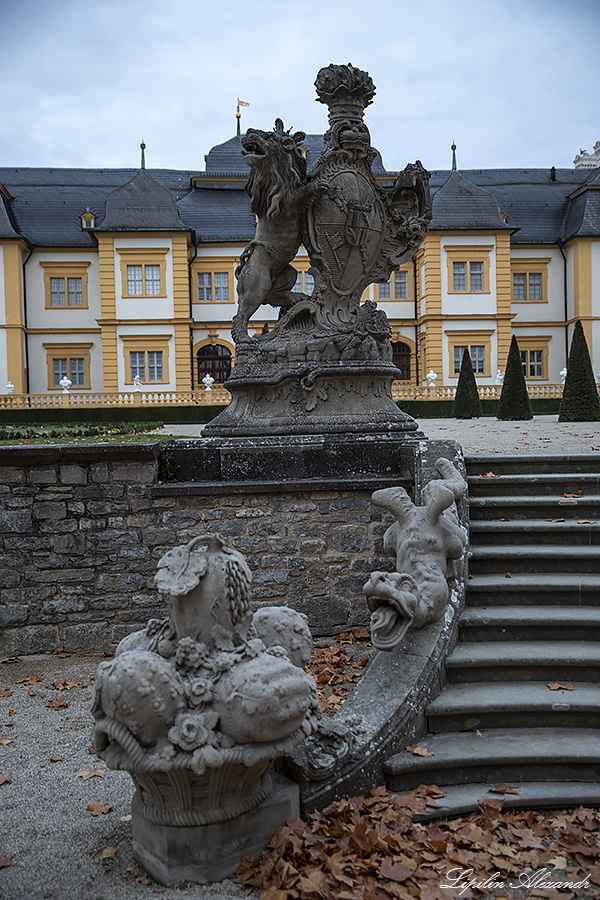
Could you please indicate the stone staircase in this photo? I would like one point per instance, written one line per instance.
(532, 619)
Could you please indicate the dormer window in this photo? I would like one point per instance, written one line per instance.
(88, 219)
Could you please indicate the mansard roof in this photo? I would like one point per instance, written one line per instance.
(540, 205)
(7, 232)
(141, 205)
(461, 205)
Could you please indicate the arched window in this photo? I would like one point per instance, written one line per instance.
(401, 359)
(215, 360)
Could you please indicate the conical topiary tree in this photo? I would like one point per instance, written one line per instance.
(467, 404)
(580, 401)
(514, 404)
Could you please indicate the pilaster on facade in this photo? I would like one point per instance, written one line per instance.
(432, 342)
(108, 311)
(582, 285)
(14, 315)
(503, 298)
(181, 312)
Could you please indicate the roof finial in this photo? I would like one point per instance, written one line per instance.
(453, 148)
(238, 115)
(143, 149)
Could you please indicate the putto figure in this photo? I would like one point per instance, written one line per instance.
(426, 541)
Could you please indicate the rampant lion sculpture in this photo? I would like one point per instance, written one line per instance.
(280, 194)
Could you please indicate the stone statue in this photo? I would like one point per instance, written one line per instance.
(65, 384)
(326, 365)
(431, 378)
(197, 706)
(500, 376)
(279, 194)
(208, 382)
(426, 540)
(137, 384)
(563, 375)
(10, 387)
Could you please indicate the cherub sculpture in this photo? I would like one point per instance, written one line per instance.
(426, 540)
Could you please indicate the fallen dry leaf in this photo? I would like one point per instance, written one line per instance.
(490, 475)
(573, 494)
(12, 712)
(88, 773)
(5, 779)
(65, 685)
(554, 686)
(109, 853)
(98, 809)
(505, 789)
(63, 655)
(6, 861)
(508, 575)
(12, 659)
(31, 693)
(586, 521)
(143, 880)
(58, 704)
(557, 520)
(6, 693)
(56, 758)
(31, 679)
(5, 741)
(420, 751)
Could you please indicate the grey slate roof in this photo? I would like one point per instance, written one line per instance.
(7, 232)
(460, 204)
(47, 203)
(141, 205)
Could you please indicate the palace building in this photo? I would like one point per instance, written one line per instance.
(109, 274)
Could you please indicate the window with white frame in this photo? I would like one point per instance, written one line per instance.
(142, 361)
(213, 287)
(143, 271)
(527, 286)
(66, 292)
(135, 281)
(477, 354)
(467, 277)
(401, 285)
(70, 361)
(533, 363)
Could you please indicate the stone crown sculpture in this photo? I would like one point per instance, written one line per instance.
(326, 366)
(426, 540)
(198, 705)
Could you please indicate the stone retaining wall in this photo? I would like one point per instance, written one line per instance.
(82, 528)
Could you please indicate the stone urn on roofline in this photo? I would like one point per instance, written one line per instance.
(326, 366)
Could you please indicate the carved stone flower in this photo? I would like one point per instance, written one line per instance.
(198, 691)
(190, 655)
(193, 730)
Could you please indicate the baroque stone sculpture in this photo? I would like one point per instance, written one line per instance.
(426, 541)
(197, 706)
(326, 366)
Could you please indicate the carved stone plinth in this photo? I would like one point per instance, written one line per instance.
(207, 853)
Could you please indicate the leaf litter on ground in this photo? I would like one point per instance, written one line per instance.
(374, 848)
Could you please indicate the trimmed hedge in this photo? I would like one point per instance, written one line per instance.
(467, 404)
(580, 400)
(514, 404)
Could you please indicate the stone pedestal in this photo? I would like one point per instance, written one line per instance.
(208, 853)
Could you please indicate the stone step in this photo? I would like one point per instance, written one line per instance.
(528, 484)
(580, 532)
(530, 623)
(498, 755)
(525, 661)
(459, 800)
(519, 464)
(521, 507)
(539, 589)
(513, 704)
(531, 559)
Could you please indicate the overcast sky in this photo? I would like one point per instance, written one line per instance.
(513, 82)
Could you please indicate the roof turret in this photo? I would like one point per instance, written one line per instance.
(459, 204)
(141, 205)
